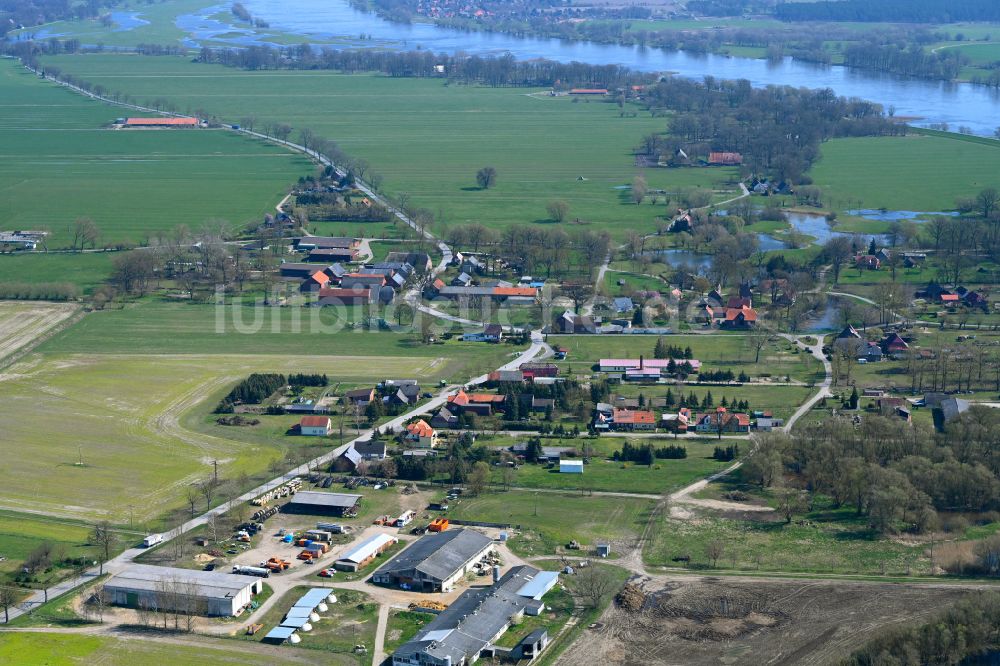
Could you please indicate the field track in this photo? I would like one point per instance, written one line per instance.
(23, 325)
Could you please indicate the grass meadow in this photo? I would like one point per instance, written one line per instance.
(59, 163)
(45, 649)
(919, 172)
(543, 517)
(428, 138)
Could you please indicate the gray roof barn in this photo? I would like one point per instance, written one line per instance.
(435, 559)
(308, 501)
(460, 634)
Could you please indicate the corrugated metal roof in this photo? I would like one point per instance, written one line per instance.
(325, 499)
(539, 585)
(367, 548)
(313, 597)
(295, 622)
(280, 633)
(440, 555)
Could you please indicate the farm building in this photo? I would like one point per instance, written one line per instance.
(315, 426)
(186, 590)
(300, 270)
(323, 504)
(161, 122)
(570, 466)
(333, 254)
(366, 551)
(466, 631)
(435, 562)
(327, 242)
(343, 297)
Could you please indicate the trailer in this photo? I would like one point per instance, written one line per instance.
(152, 540)
(252, 571)
(405, 518)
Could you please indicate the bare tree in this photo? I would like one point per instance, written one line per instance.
(85, 233)
(639, 189)
(8, 597)
(105, 539)
(557, 210)
(714, 550)
(594, 584)
(486, 177)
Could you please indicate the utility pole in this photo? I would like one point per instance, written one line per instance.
(215, 464)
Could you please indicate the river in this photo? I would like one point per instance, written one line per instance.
(957, 104)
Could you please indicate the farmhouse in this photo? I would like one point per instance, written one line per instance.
(209, 593)
(571, 323)
(628, 419)
(467, 630)
(299, 270)
(359, 397)
(323, 504)
(434, 563)
(365, 552)
(421, 434)
(315, 426)
(723, 421)
(349, 460)
(481, 404)
(743, 317)
(421, 261)
(315, 282)
(362, 281)
(161, 122)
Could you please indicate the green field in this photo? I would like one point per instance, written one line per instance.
(544, 520)
(543, 148)
(916, 172)
(43, 649)
(127, 417)
(59, 164)
(603, 474)
(88, 270)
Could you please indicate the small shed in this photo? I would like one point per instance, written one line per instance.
(570, 466)
(603, 549)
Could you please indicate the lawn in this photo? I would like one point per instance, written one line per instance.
(543, 148)
(716, 352)
(349, 622)
(131, 183)
(42, 649)
(603, 474)
(919, 172)
(402, 626)
(547, 521)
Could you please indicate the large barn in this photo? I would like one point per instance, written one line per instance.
(187, 591)
(434, 563)
(323, 504)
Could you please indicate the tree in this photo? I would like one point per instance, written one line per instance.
(486, 178)
(758, 338)
(105, 539)
(557, 210)
(8, 597)
(790, 502)
(837, 250)
(478, 478)
(85, 233)
(714, 550)
(987, 201)
(639, 189)
(594, 584)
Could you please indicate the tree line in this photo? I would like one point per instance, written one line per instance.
(252, 390)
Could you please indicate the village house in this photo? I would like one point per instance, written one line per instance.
(359, 397)
(737, 318)
(629, 420)
(570, 323)
(315, 282)
(420, 434)
(723, 421)
(444, 420)
(315, 426)
(491, 333)
(480, 404)
(362, 281)
(421, 261)
(868, 262)
(677, 422)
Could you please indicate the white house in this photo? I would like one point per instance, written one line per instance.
(570, 466)
(315, 426)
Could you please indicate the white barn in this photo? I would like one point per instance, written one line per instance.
(194, 592)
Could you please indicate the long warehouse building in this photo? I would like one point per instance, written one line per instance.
(434, 563)
(182, 590)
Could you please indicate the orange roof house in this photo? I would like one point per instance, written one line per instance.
(633, 419)
(420, 433)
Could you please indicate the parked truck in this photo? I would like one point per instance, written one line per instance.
(252, 571)
(152, 540)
